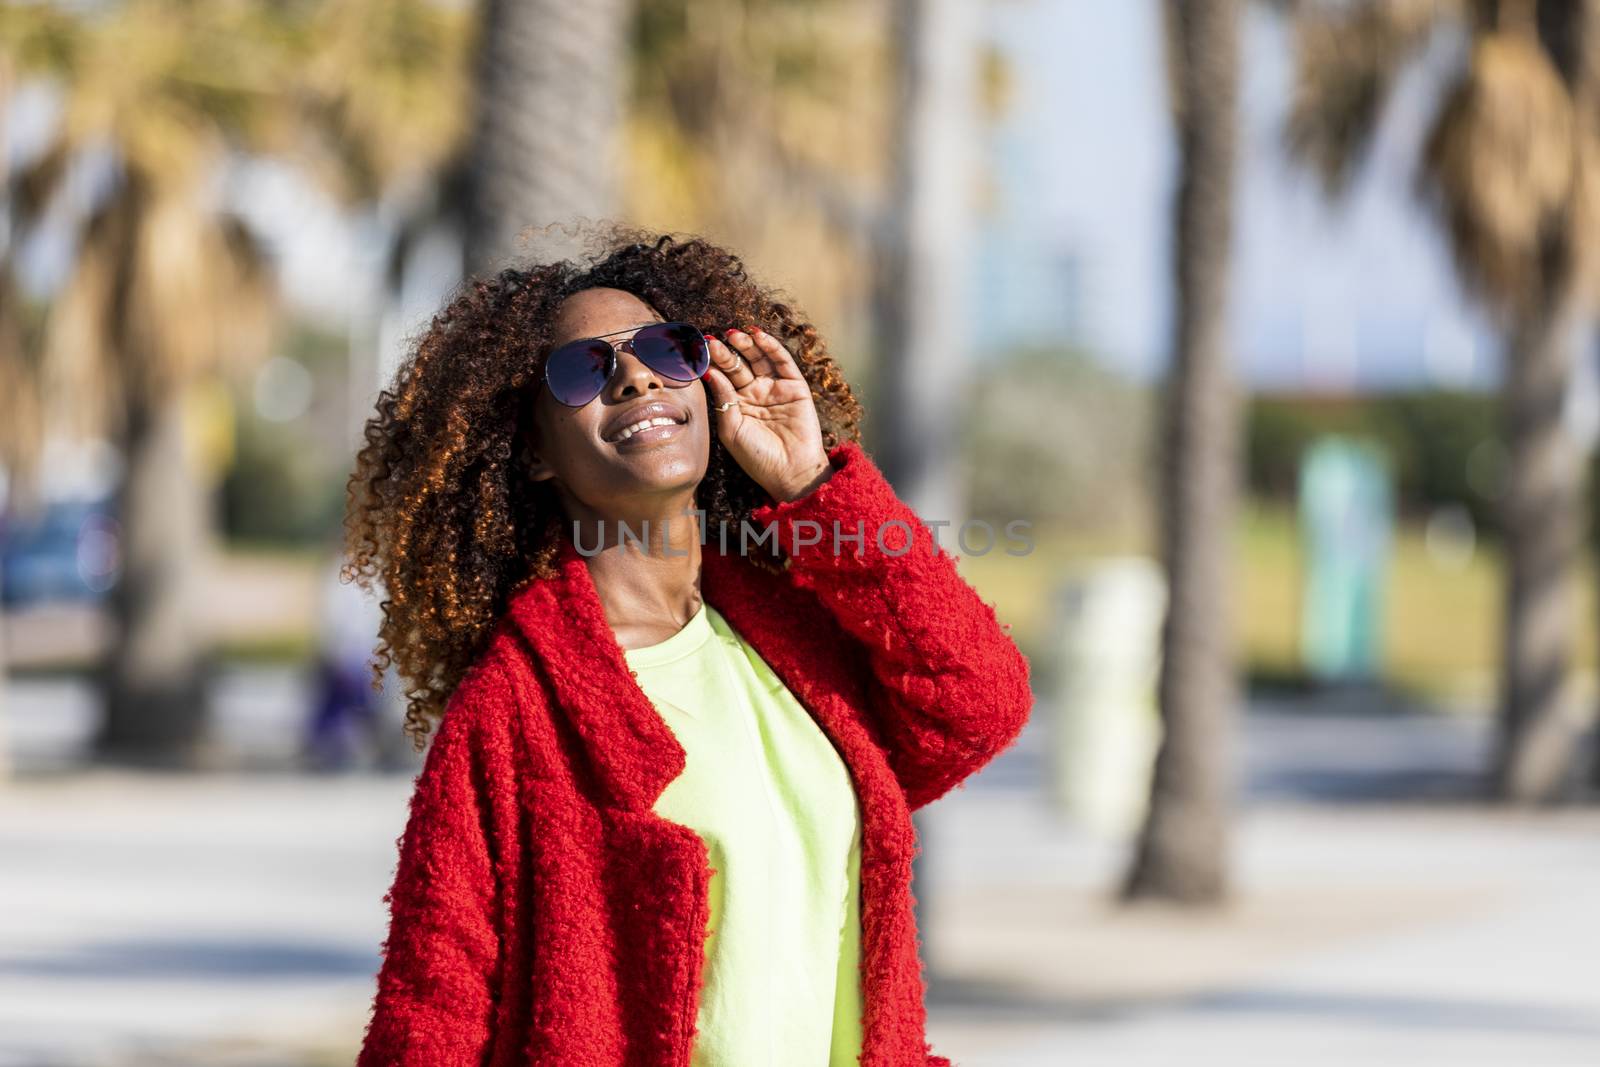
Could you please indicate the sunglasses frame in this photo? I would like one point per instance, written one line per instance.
(611, 360)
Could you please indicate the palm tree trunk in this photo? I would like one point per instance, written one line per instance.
(1541, 505)
(7, 80)
(919, 312)
(1540, 514)
(153, 675)
(1182, 853)
(546, 145)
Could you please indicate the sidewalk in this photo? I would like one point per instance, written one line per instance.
(234, 920)
(1375, 935)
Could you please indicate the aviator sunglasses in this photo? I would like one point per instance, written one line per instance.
(577, 371)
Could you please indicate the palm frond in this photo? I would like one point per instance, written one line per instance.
(385, 91)
(1347, 59)
(1502, 166)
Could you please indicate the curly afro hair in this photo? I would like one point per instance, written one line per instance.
(440, 509)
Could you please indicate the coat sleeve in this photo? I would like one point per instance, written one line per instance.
(949, 687)
(435, 1000)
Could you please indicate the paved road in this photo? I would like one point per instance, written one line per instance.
(232, 920)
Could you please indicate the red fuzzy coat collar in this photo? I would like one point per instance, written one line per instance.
(632, 751)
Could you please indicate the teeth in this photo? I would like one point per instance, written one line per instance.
(629, 431)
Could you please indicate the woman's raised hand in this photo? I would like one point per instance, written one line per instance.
(770, 426)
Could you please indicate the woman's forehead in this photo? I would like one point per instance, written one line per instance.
(597, 311)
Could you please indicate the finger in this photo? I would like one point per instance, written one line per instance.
(721, 391)
(744, 343)
(778, 354)
(735, 368)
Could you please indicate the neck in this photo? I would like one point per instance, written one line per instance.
(645, 567)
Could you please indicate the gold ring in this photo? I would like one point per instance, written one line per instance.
(727, 405)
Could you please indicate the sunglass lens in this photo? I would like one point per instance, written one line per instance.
(576, 372)
(675, 349)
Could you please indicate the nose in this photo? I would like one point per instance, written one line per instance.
(632, 377)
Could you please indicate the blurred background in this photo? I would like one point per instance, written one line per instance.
(1275, 321)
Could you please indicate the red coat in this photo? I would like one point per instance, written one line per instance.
(541, 913)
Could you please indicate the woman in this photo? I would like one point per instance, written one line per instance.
(666, 816)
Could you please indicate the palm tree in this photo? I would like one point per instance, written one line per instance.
(162, 288)
(9, 342)
(1509, 166)
(166, 289)
(1182, 851)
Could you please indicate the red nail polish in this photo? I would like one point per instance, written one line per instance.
(752, 329)
(729, 332)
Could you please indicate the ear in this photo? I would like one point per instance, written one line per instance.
(538, 470)
(531, 458)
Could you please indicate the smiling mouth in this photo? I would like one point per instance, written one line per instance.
(639, 427)
(660, 424)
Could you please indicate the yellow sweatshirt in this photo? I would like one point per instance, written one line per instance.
(765, 789)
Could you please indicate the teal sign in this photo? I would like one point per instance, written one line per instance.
(1346, 519)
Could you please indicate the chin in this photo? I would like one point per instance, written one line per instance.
(663, 469)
